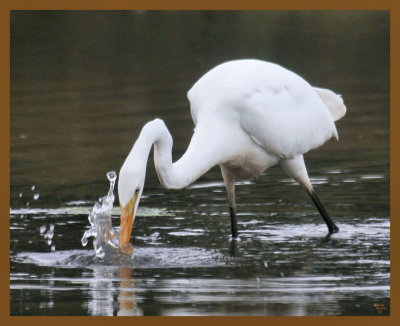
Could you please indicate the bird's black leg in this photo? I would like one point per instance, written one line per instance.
(233, 222)
(233, 249)
(331, 226)
(296, 168)
(229, 181)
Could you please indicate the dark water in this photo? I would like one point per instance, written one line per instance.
(82, 86)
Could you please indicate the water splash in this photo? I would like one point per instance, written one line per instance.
(48, 236)
(100, 222)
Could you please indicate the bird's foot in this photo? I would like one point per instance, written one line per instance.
(333, 230)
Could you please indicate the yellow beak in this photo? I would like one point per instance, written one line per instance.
(126, 225)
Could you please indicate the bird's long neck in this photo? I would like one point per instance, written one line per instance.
(172, 175)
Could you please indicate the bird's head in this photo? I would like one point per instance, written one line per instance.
(130, 188)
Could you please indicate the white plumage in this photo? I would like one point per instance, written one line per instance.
(249, 115)
(276, 107)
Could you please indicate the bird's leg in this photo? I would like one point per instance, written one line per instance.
(230, 189)
(296, 168)
(232, 210)
(331, 226)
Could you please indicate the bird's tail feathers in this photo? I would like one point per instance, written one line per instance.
(333, 102)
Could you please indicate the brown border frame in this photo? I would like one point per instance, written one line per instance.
(7, 5)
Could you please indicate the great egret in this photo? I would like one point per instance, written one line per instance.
(249, 115)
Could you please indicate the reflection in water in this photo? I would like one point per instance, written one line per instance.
(101, 293)
(128, 305)
(104, 283)
(233, 250)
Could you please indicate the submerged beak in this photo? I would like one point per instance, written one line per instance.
(126, 225)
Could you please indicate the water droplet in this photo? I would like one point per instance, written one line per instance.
(51, 227)
(20, 195)
(27, 204)
(36, 196)
(33, 187)
(42, 229)
(49, 242)
(115, 239)
(112, 244)
(100, 252)
(96, 207)
(282, 275)
(266, 264)
(53, 247)
(84, 240)
(111, 175)
(91, 219)
(92, 233)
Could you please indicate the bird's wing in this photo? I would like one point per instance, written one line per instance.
(286, 120)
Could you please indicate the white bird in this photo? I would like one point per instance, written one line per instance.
(249, 115)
